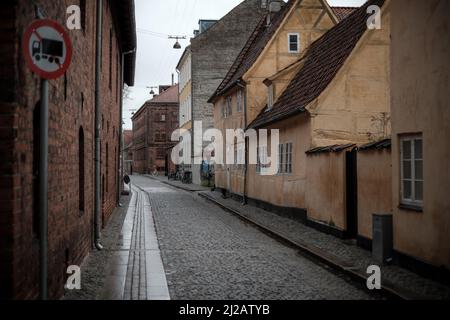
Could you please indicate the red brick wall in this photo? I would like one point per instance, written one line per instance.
(160, 132)
(147, 127)
(110, 114)
(71, 107)
(139, 142)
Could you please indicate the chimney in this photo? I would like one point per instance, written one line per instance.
(173, 79)
(274, 7)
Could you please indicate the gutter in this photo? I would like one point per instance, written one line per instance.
(98, 115)
(276, 119)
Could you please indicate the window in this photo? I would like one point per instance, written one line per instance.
(270, 97)
(294, 42)
(261, 159)
(288, 166)
(285, 158)
(229, 107)
(280, 158)
(411, 149)
(110, 57)
(239, 101)
(81, 184)
(163, 118)
(107, 168)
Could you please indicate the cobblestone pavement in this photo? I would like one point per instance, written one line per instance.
(210, 254)
(346, 251)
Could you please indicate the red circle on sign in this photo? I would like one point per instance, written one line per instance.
(26, 49)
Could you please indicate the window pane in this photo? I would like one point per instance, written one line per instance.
(407, 190)
(418, 189)
(407, 170)
(418, 152)
(418, 166)
(293, 42)
(406, 150)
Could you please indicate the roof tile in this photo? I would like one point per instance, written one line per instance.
(323, 60)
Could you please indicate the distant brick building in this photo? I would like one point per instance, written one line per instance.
(206, 62)
(153, 125)
(71, 141)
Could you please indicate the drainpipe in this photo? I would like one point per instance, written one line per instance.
(244, 89)
(98, 123)
(121, 137)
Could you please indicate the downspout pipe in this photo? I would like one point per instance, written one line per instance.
(121, 137)
(244, 89)
(98, 123)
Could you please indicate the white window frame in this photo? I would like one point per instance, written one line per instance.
(289, 154)
(413, 201)
(280, 158)
(298, 42)
(285, 158)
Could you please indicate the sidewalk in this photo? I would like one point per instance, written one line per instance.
(95, 270)
(335, 252)
(130, 265)
(179, 184)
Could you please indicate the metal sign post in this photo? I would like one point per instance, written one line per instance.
(48, 51)
(43, 190)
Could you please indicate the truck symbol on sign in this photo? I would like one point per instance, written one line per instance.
(47, 49)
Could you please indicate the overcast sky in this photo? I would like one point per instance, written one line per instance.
(156, 58)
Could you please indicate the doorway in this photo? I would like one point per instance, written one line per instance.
(352, 194)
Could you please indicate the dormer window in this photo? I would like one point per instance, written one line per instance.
(294, 42)
(270, 97)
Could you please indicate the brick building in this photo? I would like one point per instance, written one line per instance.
(207, 61)
(71, 141)
(153, 125)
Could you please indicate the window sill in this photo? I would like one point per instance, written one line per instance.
(411, 207)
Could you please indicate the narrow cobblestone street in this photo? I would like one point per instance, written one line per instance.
(210, 254)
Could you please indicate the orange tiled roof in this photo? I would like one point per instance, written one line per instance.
(323, 60)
